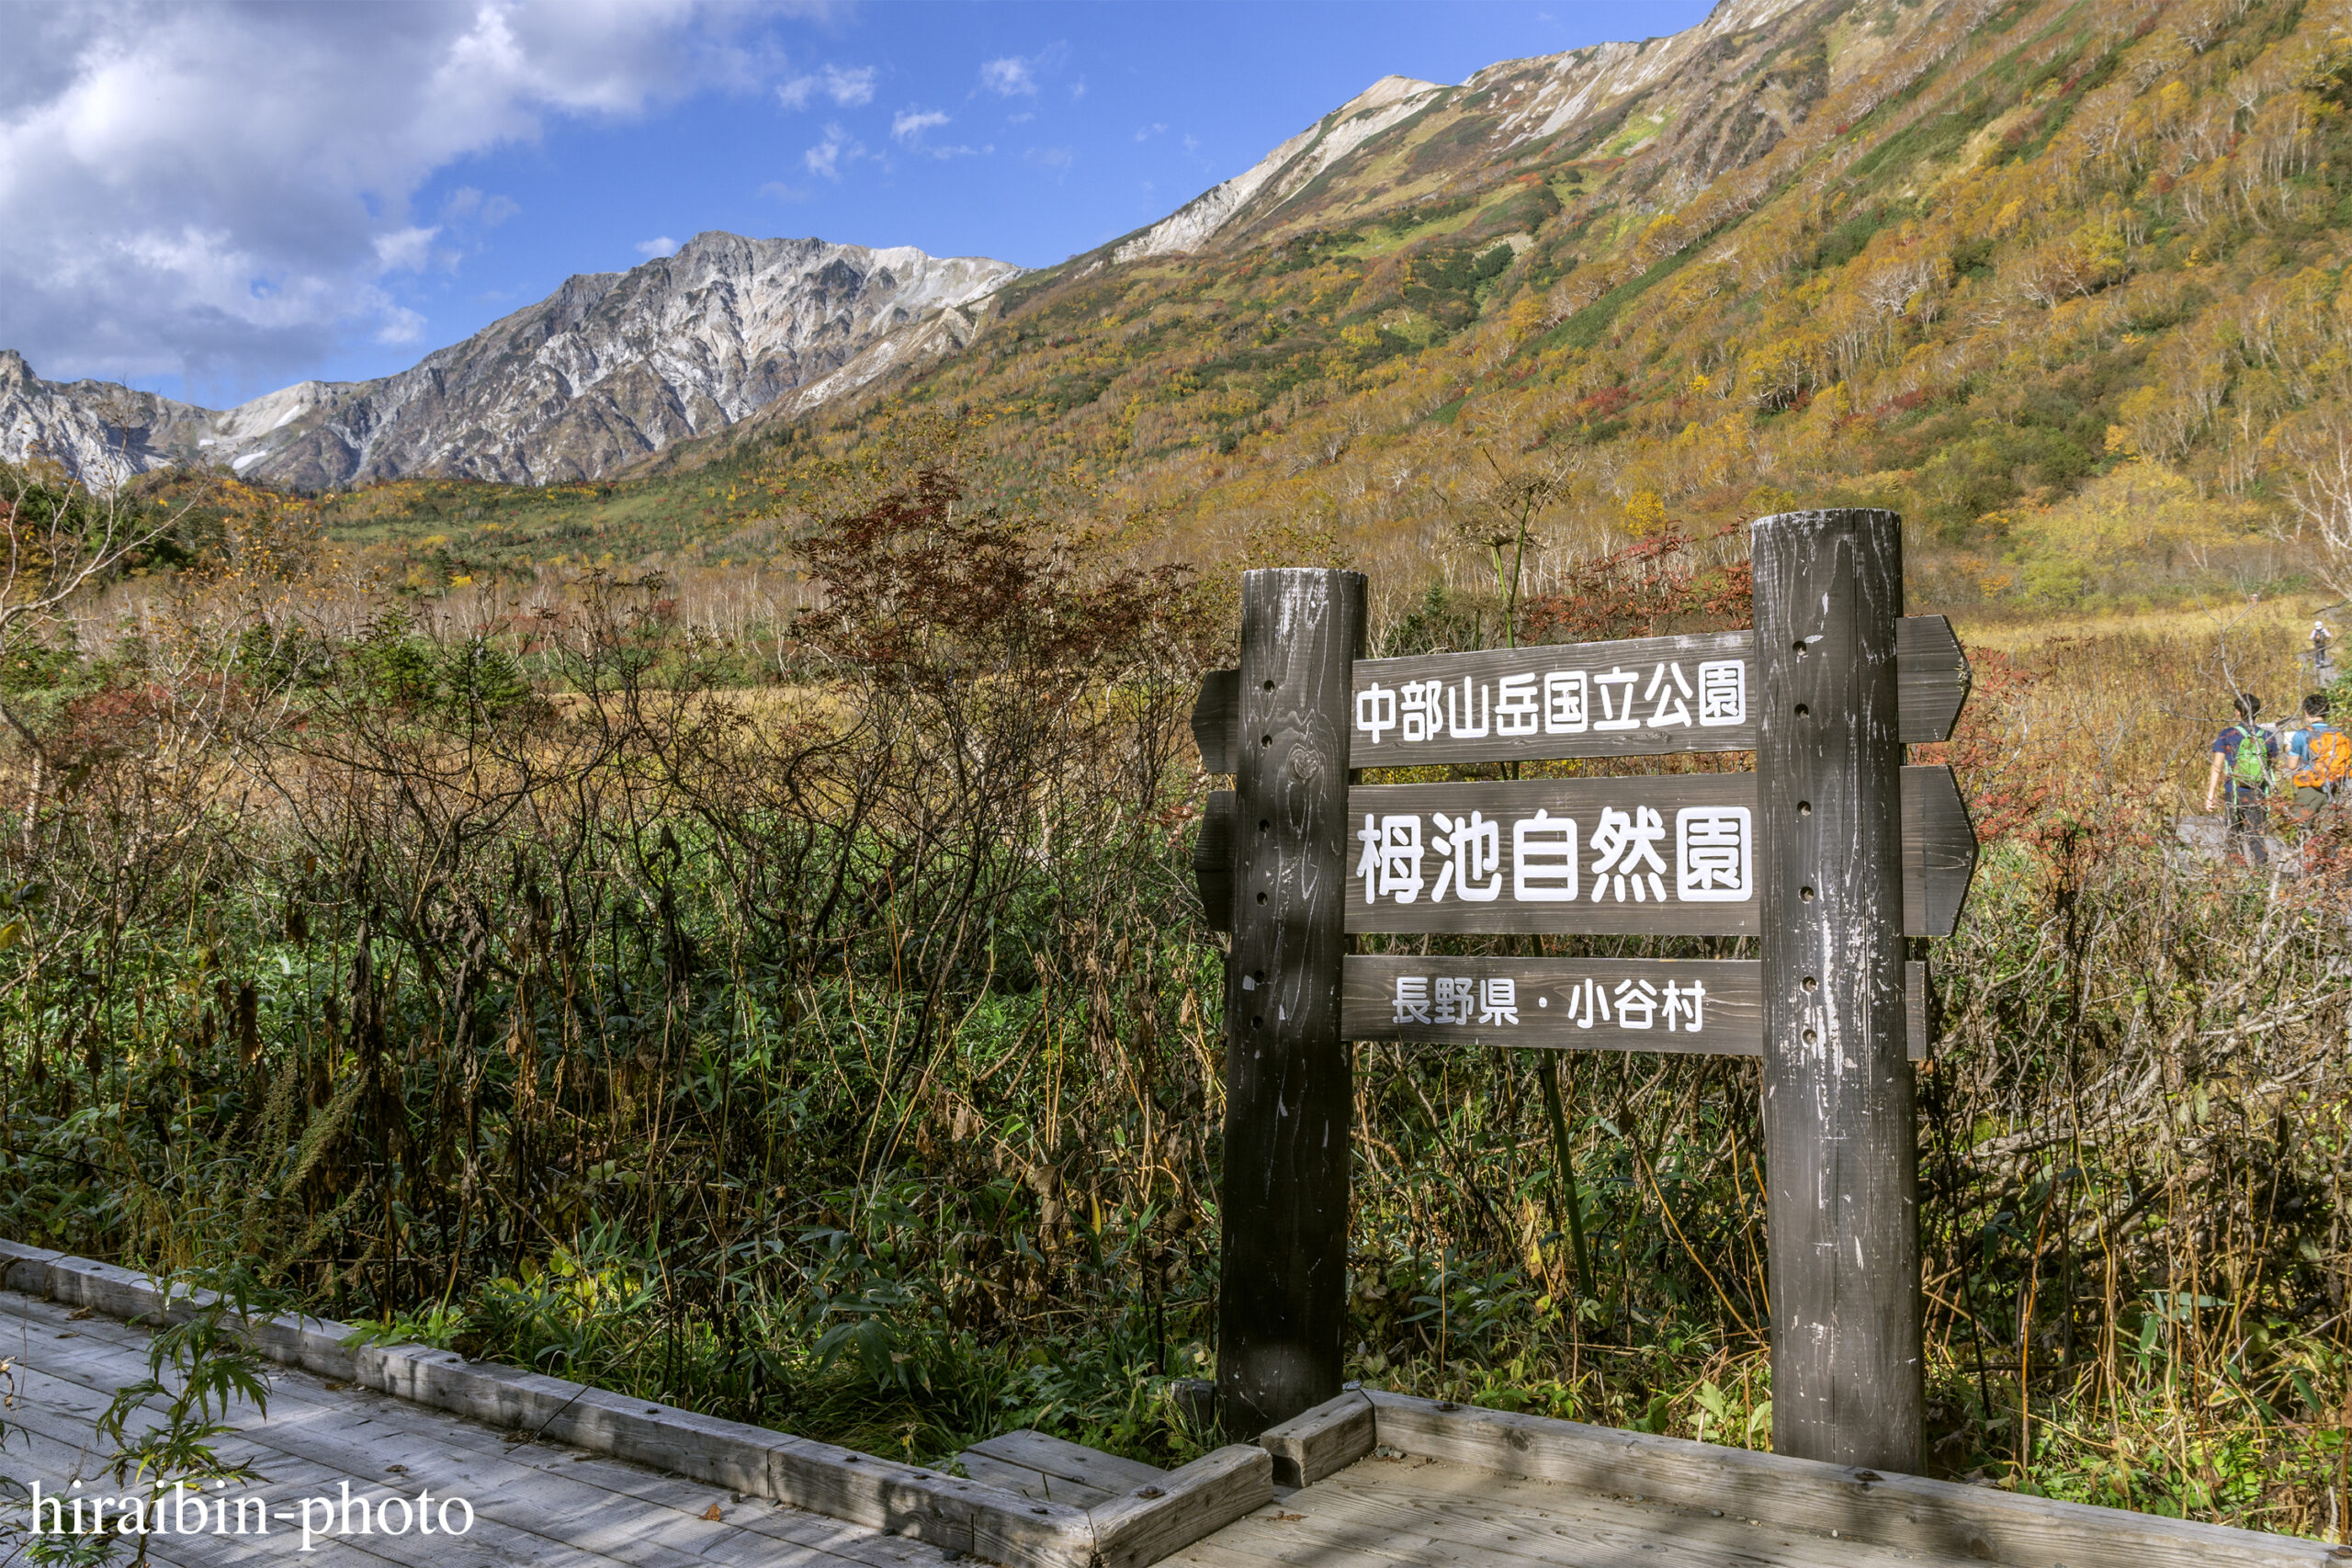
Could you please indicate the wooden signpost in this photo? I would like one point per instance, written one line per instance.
(1829, 854)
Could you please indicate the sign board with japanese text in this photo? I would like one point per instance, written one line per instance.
(1657, 854)
(1666, 854)
(1643, 696)
(1687, 1006)
(1824, 859)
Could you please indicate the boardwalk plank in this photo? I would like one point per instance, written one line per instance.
(120, 1361)
(572, 1514)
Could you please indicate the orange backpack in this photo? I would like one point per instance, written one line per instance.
(2330, 751)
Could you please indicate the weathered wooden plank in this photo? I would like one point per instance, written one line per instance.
(1691, 1005)
(947, 1511)
(494, 1539)
(896, 1499)
(1217, 720)
(1314, 1443)
(397, 1428)
(1028, 1483)
(1841, 1138)
(1557, 1525)
(1912, 1513)
(1053, 1456)
(1933, 675)
(1688, 839)
(1915, 1009)
(1432, 1514)
(315, 1344)
(1939, 852)
(1213, 853)
(1637, 697)
(1711, 1007)
(1643, 696)
(1289, 1089)
(1666, 854)
(1152, 1520)
(24, 1268)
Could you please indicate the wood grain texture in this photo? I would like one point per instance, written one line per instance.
(1067, 1472)
(950, 1512)
(1198, 1499)
(1732, 1024)
(1939, 852)
(1217, 720)
(1933, 675)
(1557, 1005)
(1281, 1314)
(1315, 1443)
(533, 1506)
(1615, 718)
(1911, 1513)
(1581, 801)
(1213, 853)
(1409, 1509)
(1938, 859)
(395, 1431)
(1842, 1141)
(1933, 670)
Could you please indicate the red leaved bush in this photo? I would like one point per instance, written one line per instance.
(1639, 591)
(921, 585)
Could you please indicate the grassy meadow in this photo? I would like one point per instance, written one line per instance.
(787, 997)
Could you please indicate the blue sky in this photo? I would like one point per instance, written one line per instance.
(397, 177)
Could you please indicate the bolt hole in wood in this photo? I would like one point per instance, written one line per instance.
(1809, 982)
(1805, 809)
(1803, 710)
(1265, 740)
(1810, 1037)
(1806, 894)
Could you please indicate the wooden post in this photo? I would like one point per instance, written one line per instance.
(1283, 1303)
(1841, 1212)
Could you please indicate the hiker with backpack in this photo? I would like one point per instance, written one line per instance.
(2245, 754)
(2320, 760)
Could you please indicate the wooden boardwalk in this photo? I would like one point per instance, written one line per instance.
(1372, 1478)
(534, 1503)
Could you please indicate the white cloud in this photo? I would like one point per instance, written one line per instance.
(850, 89)
(1009, 77)
(165, 210)
(402, 326)
(1047, 157)
(660, 247)
(839, 147)
(908, 126)
(404, 250)
(1148, 132)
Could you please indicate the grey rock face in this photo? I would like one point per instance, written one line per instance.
(608, 368)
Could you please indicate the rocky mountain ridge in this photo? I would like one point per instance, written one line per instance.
(609, 368)
(711, 346)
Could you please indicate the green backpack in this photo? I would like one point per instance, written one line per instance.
(2251, 765)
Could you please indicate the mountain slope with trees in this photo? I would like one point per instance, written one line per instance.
(2064, 283)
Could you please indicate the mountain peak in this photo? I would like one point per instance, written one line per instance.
(608, 368)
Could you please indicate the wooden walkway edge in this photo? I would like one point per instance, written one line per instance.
(1910, 1513)
(1534, 1475)
(1129, 1530)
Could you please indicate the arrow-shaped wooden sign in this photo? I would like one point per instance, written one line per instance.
(1645, 696)
(1662, 854)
